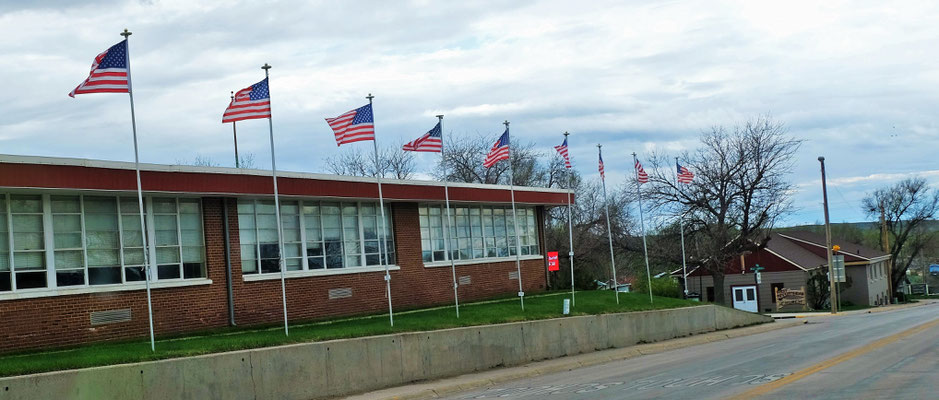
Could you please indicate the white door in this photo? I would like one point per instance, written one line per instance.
(745, 298)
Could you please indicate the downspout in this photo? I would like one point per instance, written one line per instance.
(231, 298)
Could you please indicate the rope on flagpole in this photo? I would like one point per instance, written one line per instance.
(609, 231)
(518, 244)
(143, 231)
(642, 226)
(280, 229)
(446, 191)
(381, 205)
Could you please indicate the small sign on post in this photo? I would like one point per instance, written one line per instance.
(553, 264)
(567, 306)
(837, 263)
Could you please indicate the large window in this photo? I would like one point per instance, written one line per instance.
(317, 235)
(62, 241)
(476, 232)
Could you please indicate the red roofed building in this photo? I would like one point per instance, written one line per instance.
(71, 258)
(787, 261)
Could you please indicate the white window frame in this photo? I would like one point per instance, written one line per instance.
(52, 287)
(454, 240)
(326, 270)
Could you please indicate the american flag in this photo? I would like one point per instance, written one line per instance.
(431, 142)
(499, 151)
(641, 174)
(108, 72)
(684, 175)
(602, 176)
(562, 149)
(354, 126)
(251, 102)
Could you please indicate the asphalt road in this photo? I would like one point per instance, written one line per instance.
(881, 355)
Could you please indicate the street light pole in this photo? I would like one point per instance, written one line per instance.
(831, 271)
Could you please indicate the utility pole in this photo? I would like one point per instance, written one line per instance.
(885, 246)
(831, 271)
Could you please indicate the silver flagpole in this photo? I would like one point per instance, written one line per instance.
(143, 227)
(234, 132)
(381, 204)
(642, 227)
(570, 223)
(518, 243)
(446, 191)
(280, 229)
(681, 230)
(609, 232)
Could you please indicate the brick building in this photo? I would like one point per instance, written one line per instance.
(71, 248)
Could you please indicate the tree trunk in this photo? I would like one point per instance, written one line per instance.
(719, 287)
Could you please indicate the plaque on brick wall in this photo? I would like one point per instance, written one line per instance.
(513, 275)
(465, 280)
(340, 293)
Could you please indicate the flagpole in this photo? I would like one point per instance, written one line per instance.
(570, 222)
(518, 243)
(381, 205)
(234, 132)
(642, 226)
(446, 191)
(681, 230)
(609, 232)
(280, 229)
(143, 230)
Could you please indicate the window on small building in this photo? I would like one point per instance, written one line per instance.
(62, 241)
(477, 232)
(316, 235)
(773, 287)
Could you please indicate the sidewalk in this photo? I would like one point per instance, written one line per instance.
(892, 307)
(444, 387)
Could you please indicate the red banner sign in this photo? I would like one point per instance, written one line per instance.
(553, 264)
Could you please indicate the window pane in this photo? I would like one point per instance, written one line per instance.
(134, 274)
(189, 206)
(29, 261)
(25, 204)
(70, 278)
(133, 256)
(104, 276)
(193, 254)
(164, 206)
(5, 282)
(101, 257)
(65, 204)
(168, 271)
(30, 280)
(315, 262)
(71, 259)
(167, 255)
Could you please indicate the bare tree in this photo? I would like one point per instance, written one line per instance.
(906, 207)
(393, 163)
(245, 160)
(464, 155)
(739, 191)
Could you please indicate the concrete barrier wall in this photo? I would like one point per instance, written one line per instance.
(340, 367)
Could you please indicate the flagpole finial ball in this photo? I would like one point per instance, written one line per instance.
(439, 116)
(566, 133)
(265, 67)
(369, 97)
(506, 123)
(821, 158)
(599, 145)
(126, 33)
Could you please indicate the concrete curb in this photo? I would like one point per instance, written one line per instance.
(448, 386)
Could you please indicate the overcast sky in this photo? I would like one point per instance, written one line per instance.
(858, 81)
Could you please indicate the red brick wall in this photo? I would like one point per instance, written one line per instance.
(66, 320)
(57, 321)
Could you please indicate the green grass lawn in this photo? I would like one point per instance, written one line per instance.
(491, 312)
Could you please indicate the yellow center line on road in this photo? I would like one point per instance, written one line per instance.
(831, 362)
